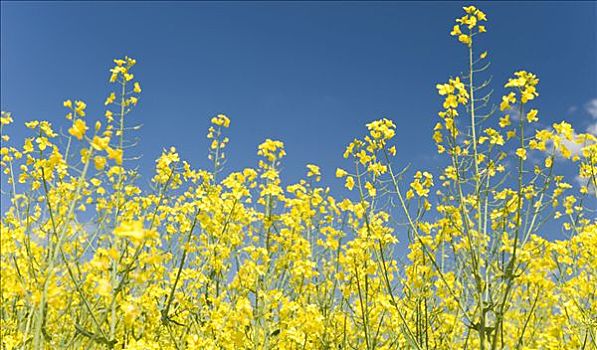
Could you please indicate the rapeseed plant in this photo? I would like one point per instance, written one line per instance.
(207, 259)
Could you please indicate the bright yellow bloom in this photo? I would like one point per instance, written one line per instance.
(134, 230)
(32, 124)
(100, 143)
(110, 99)
(532, 116)
(349, 183)
(78, 129)
(115, 154)
(548, 162)
(28, 146)
(526, 83)
(80, 107)
(99, 162)
(470, 9)
(481, 15)
(341, 172)
(313, 170)
(392, 150)
(221, 120)
(505, 121)
(465, 39)
(371, 189)
(507, 100)
(272, 150)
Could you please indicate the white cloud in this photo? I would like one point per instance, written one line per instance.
(592, 129)
(574, 147)
(572, 109)
(514, 113)
(591, 108)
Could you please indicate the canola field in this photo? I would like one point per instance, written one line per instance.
(220, 258)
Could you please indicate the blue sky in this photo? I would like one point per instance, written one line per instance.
(310, 74)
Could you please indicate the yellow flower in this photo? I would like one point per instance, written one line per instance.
(46, 128)
(471, 22)
(564, 129)
(465, 39)
(526, 83)
(134, 230)
(507, 100)
(110, 99)
(5, 118)
(136, 88)
(32, 124)
(481, 15)
(100, 143)
(548, 162)
(313, 170)
(99, 162)
(68, 104)
(349, 183)
(221, 120)
(84, 155)
(505, 121)
(470, 9)
(42, 143)
(78, 129)
(392, 150)
(80, 107)
(28, 146)
(272, 150)
(131, 313)
(444, 89)
(115, 154)
(495, 138)
(532, 116)
(383, 129)
(341, 172)
(522, 153)
(471, 19)
(371, 189)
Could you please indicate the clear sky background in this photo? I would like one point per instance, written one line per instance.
(310, 74)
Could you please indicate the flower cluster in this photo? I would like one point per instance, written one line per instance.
(471, 21)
